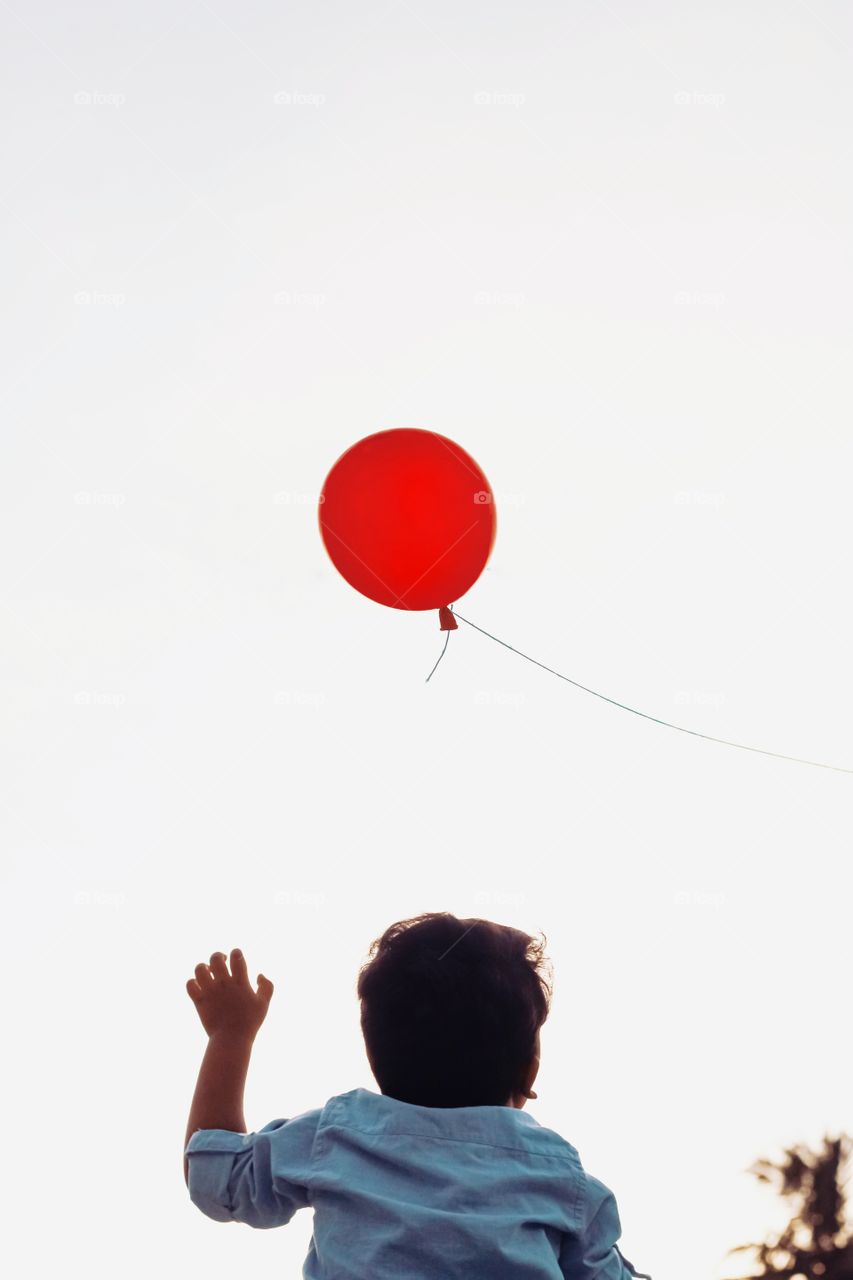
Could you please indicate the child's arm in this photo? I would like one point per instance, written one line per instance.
(231, 1013)
(593, 1253)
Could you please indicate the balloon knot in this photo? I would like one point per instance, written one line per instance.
(446, 620)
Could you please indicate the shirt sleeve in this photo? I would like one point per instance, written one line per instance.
(593, 1254)
(258, 1178)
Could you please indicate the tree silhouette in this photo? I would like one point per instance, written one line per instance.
(817, 1243)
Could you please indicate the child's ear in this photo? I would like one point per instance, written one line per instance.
(530, 1076)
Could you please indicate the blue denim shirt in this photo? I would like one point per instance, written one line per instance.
(484, 1193)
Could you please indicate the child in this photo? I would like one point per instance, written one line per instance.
(440, 1175)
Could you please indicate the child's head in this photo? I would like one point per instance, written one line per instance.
(451, 1011)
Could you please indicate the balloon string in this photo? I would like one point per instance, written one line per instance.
(440, 656)
(817, 764)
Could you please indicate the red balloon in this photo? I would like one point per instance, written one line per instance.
(408, 518)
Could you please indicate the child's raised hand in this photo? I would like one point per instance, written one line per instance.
(226, 1002)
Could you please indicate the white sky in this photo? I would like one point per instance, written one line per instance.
(606, 247)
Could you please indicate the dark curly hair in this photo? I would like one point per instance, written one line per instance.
(450, 1009)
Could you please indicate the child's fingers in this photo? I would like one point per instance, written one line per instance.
(218, 965)
(203, 976)
(194, 990)
(265, 988)
(238, 966)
